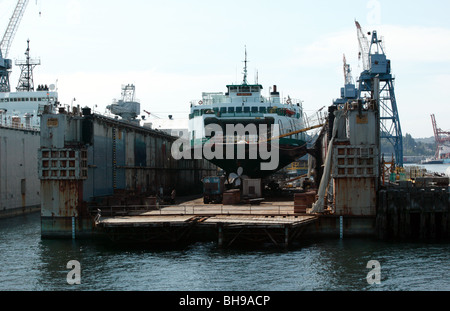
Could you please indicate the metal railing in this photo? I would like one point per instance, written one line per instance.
(19, 126)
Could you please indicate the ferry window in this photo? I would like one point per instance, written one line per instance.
(246, 109)
(196, 113)
(254, 109)
(223, 109)
(245, 89)
(231, 109)
(238, 109)
(262, 109)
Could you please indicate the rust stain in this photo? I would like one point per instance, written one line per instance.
(69, 195)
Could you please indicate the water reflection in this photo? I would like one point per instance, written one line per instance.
(29, 263)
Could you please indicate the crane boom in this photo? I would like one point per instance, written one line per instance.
(363, 46)
(347, 73)
(5, 44)
(441, 137)
(12, 27)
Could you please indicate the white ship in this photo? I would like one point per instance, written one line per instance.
(20, 140)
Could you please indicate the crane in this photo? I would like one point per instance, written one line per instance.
(377, 65)
(347, 73)
(151, 114)
(348, 92)
(363, 46)
(6, 64)
(441, 137)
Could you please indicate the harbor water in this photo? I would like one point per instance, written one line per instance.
(29, 263)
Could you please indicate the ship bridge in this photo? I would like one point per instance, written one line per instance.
(244, 91)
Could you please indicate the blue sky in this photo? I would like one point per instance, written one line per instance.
(175, 50)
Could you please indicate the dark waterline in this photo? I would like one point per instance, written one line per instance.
(29, 263)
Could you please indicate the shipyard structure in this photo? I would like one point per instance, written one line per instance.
(110, 177)
(87, 160)
(19, 185)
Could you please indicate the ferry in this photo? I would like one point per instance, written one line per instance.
(244, 104)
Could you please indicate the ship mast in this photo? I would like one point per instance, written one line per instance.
(26, 82)
(245, 68)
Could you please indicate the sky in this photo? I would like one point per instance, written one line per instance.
(173, 50)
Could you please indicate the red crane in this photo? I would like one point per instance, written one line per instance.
(441, 137)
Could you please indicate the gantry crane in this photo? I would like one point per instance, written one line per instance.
(376, 64)
(441, 137)
(6, 64)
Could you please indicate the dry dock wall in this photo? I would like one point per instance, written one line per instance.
(414, 213)
(91, 161)
(19, 182)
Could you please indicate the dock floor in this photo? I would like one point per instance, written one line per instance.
(273, 222)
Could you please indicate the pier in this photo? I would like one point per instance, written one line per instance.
(227, 225)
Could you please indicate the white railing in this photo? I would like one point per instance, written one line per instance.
(220, 99)
(19, 126)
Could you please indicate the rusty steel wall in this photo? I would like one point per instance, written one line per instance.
(61, 198)
(355, 196)
(355, 164)
(114, 162)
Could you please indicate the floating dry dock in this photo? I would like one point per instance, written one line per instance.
(99, 177)
(87, 159)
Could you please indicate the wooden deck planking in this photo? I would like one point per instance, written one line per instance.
(213, 220)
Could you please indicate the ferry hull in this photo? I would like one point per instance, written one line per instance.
(252, 167)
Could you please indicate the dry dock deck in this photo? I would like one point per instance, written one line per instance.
(275, 224)
(226, 220)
